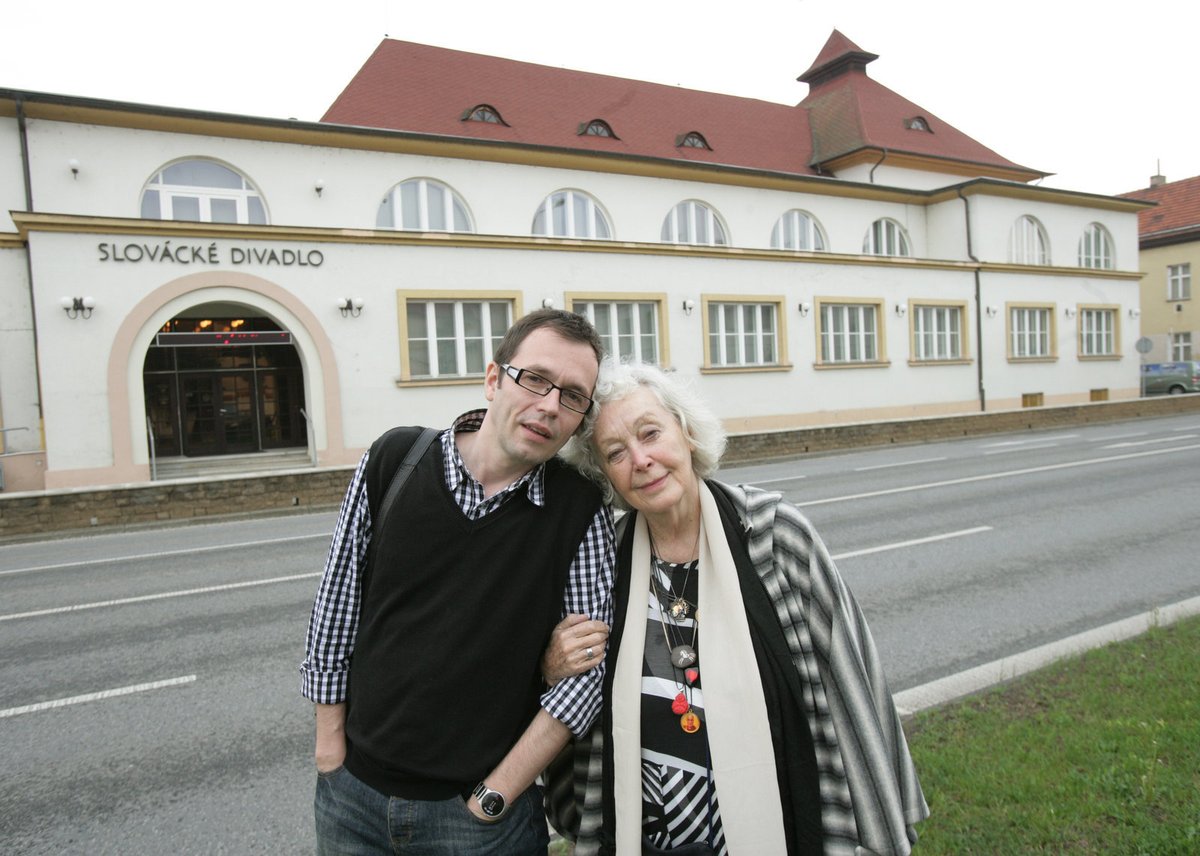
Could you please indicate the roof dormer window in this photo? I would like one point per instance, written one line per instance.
(918, 123)
(483, 113)
(597, 128)
(692, 140)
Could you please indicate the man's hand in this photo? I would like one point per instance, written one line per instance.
(331, 737)
(576, 645)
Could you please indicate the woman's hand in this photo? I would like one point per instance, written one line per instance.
(576, 645)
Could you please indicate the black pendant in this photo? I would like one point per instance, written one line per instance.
(683, 656)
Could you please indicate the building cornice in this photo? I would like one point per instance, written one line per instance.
(874, 156)
(28, 223)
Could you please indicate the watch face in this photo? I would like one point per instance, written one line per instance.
(492, 804)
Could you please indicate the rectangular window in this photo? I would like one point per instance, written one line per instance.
(1030, 332)
(1179, 281)
(937, 332)
(743, 334)
(1097, 332)
(628, 328)
(849, 333)
(1181, 346)
(453, 338)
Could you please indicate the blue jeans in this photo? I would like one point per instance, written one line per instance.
(354, 819)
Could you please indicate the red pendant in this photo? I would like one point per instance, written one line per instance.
(692, 675)
(690, 722)
(680, 705)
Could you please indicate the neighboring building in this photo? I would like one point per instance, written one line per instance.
(183, 286)
(1169, 238)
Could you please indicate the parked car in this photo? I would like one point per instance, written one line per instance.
(1171, 378)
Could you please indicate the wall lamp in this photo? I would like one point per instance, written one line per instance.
(547, 302)
(319, 186)
(688, 306)
(805, 308)
(1134, 313)
(1069, 312)
(900, 309)
(352, 306)
(77, 306)
(991, 311)
(73, 164)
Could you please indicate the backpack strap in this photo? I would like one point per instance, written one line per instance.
(400, 477)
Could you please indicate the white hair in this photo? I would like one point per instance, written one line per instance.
(618, 380)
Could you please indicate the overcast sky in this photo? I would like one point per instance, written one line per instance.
(1098, 93)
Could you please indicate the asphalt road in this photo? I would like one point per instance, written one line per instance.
(148, 680)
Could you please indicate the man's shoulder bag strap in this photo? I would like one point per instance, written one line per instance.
(396, 485)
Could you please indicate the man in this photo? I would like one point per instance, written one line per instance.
(430, 736)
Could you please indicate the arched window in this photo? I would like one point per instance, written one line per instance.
(692, 140)
(918, 123)
(886, 238)
(483, 113)
(1027, 244)
(202, 191)
(597, 128)
(1095, 248)
(797, 230)
(423, 205)
(571, 214)
(692, 222)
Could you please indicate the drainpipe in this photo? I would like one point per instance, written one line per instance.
(37, 368)
(882, 157)
(978, 305)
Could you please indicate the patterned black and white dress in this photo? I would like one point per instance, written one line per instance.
(679, 801)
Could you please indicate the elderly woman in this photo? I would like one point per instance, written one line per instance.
(745, 711)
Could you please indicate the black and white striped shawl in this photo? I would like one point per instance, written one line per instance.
(870, 795)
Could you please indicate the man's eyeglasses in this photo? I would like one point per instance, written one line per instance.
(569, 398)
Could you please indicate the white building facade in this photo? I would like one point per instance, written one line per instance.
(181, 285)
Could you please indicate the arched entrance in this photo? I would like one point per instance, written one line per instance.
(223, 379)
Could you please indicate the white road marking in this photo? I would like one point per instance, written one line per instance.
(900, 464)
(1117, 437)
(990, 476)
(103, 694)
(190, 551)
(1151, 442)
(760, 482)
(145, 598)
(1030, 440)
(1021, 449)
(914, 542)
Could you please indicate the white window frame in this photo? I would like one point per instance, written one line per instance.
(1096, 248)
(630, 327)
(1099, 331)
(1032, 333)
(886, 237)
(798, 230)
(1181, 347)
(1028, 244)
(743, 332)
(452, 206)
(939, 331)
(1179, 281)
(850, 332)
(685, 221)
(452, 306)
(204, 195)
(594, 226)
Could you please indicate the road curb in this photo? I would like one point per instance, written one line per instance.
(954, 687)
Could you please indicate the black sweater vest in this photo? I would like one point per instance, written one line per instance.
(454, 617)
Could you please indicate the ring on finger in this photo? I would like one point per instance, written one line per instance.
(588, 654)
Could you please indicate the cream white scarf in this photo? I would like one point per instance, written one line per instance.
(735, 712)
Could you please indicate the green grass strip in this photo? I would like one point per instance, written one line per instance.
(1098, 754)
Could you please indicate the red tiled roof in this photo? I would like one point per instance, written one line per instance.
(417, 88)
(1178, 207)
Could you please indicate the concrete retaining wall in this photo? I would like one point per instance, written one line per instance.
(24, 515)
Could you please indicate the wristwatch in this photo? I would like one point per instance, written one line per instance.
(492, 802)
